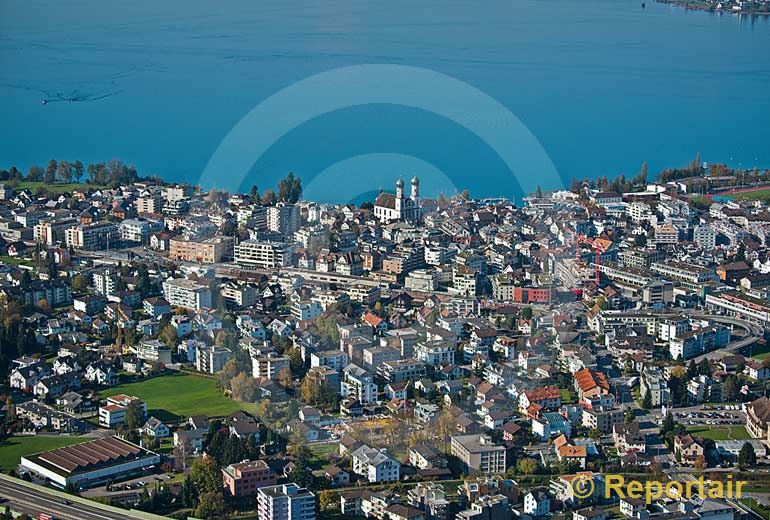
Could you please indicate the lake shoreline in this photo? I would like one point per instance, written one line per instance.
(704, 6)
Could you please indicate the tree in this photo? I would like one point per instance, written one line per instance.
(747, 458)
(243, 387)
(211, 505)
(730, 388)
(134, 417)
(168, 335)
(290, 188)
(647, 401)
(80, 284)
(64, 171)
(35, 173)
(526, 466)
(50, 172)
(268, 198)
(206, 476)
(78, 170)
(325, 500)
(526, 313)
(629, 416)
(446, 425)
(284, 377)
(668, 423)
(44, 306)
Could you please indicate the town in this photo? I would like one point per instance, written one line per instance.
(168, 351)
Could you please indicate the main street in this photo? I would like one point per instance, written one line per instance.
(34, 500)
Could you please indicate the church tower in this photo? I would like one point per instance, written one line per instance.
(399, 196)
(415, 188)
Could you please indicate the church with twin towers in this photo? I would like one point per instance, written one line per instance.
(399, 208)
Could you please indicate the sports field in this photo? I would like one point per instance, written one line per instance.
(178, 395)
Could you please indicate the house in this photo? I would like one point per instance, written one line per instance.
(633, 508)
(628, 438)
(242, 479)
(76, 403)
(537, 503)
(101, 373)
(758, 418)
(155, 428)
(244, 426)
(590, 513)
(548, 397)
(687, 450)
(310, 415)
(189, 441)
(65, 364)
(374, 465)
(337, 476)
(25, 378)
(53, 386)
(757, 370)
(422, 456)
(156, 307)
(573, 454)
(403, 512)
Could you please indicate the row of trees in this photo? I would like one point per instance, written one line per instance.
(111, 173)
(289, 190)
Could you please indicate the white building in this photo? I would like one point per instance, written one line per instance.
(283, 218)
(264, 255)
(211, 359)
(375, 465)
(285, 502)
(394, 208)
(187, 293)
(92, 237)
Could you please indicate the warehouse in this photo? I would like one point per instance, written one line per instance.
(89, 463)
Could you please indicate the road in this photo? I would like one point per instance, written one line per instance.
(34, 500)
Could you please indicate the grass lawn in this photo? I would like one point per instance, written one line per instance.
(16, 261)
(720, 433)
(760, 352)
(178, 395)
(566, 396)
(753, 195)
(16, 447)
(53, 188)
(758, 508)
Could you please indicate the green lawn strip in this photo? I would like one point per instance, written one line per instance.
(175, 396)
(55, 187)
(758, 508)
(16, 261)
(719, 433)
(752, 195)
(14, 448)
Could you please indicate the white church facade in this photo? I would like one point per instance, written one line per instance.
(398, 208)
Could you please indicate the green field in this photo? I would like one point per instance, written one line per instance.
(719, 433)
(53, 188)
(752, 195)
(178, 395)
(16, 447)
(758, 508)
(760, 352)
(16, 261)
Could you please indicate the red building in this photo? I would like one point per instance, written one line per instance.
(243, 478)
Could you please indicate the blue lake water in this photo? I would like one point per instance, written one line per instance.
(602, 85)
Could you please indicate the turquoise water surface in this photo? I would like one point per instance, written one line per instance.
(603, 85)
